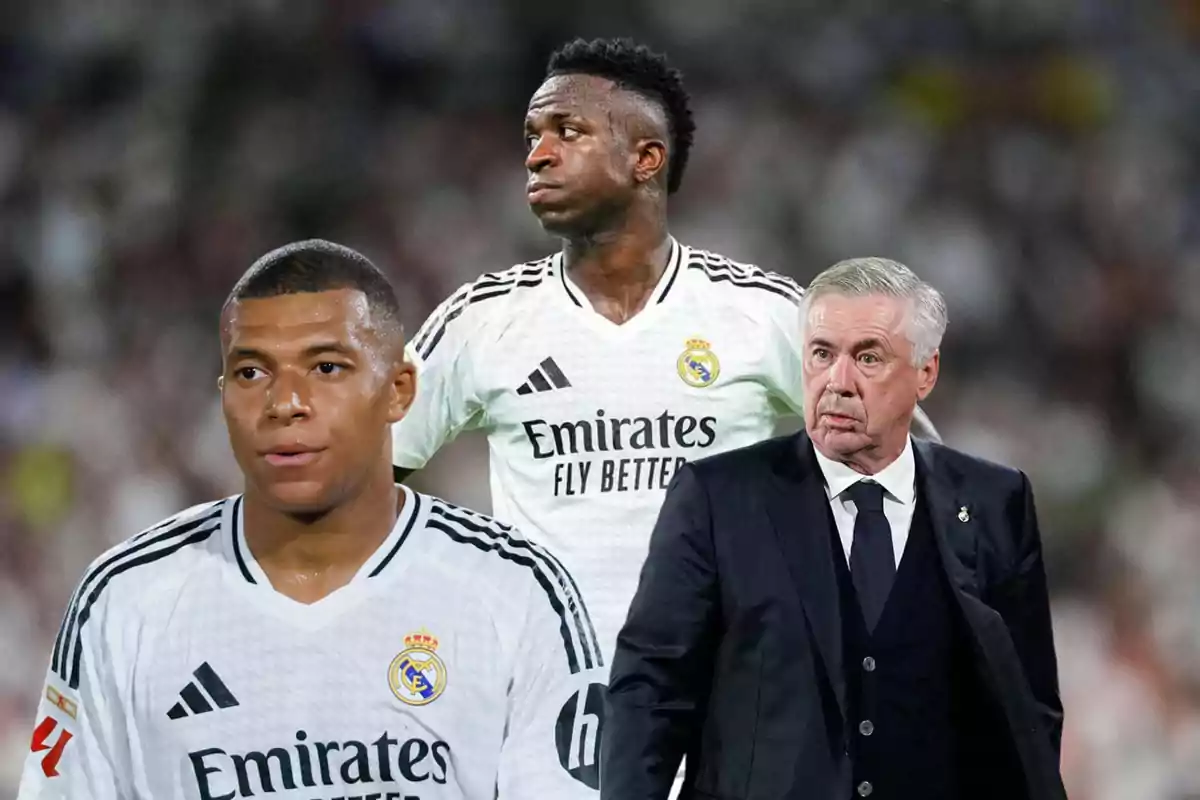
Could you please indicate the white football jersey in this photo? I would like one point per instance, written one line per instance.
(587, 421)
(458, 664)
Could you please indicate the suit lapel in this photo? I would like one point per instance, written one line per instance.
(799, 512)
(951, 518)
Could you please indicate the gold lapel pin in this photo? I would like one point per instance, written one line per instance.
(964, 515)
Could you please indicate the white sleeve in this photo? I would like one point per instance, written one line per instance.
(446, 401)
(784, 359)
(556, 703)
(79, 747)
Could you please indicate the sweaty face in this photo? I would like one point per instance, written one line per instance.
(580, 160)
(309, 388)
(860, 386)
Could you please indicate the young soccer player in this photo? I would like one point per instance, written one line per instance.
(600, 369)
(326, 634)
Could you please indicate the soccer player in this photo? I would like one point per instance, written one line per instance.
(600, 369)
(326, 634)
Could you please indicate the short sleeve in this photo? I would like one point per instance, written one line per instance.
(446, 401)
(786, 352)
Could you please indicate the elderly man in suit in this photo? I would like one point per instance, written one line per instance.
(847, 612)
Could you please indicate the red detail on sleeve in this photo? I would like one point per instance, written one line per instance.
(42, 733)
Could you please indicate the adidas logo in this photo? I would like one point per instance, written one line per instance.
(195, 700)
(546, 378)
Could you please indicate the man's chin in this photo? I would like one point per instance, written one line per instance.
(556, 220)
(840, 441)
(299, 498)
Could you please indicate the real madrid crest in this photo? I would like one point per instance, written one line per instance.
(698, 364)
(417, 674)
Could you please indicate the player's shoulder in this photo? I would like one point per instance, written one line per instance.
(126, 580)
(497, 557)
(163, 551)
(740, 281)
(491, 296)
(497, 548)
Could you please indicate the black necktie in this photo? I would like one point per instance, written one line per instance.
(872, 560)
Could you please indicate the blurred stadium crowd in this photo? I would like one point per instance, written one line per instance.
(1037, 160)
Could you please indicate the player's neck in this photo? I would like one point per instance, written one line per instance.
(306, 559)
(618, 269)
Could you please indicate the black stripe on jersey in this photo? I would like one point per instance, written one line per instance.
(674, 259)
(717, 263)
(148, 558)
(555, 603)
(749, 277)
(562, 274)
(194, 699)
(487, 287)
(416, 510)
(460, 298)
(58, 640)
(495, 529)
(58, 661)
(747, 284)
(469, 526)
(673, 267)
(166, 523)
(236, 527)
(215, 687)
(556, 375)
(435, 319)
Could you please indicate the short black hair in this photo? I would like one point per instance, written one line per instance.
(317, 265)
(636, 68)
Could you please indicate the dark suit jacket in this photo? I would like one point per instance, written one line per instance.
(732, 650)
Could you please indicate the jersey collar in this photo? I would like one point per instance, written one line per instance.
(665, 283)
(383, 557)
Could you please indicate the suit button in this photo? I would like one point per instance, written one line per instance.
(866, 727)
(865, 788)
(869, 664)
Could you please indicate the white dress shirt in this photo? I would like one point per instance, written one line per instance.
(899, 496)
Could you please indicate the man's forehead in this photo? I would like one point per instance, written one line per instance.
(836, 312)
(290, 316)
(571, 92)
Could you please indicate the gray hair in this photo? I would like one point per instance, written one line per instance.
(858, 277)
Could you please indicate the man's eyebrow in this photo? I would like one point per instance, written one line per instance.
(860, 345)
(320, 348)
(313, 350)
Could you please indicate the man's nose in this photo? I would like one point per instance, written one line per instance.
(541, 156)
(842, 375)
(288, 398)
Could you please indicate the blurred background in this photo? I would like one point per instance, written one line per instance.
(1037, 160)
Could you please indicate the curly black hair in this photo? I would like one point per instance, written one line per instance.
(636, 68)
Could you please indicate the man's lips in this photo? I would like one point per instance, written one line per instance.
(292, 455)
(537, 190)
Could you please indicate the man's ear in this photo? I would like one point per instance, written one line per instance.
(651, 160)
(927, 375)
(220, 383)
(402, 390)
